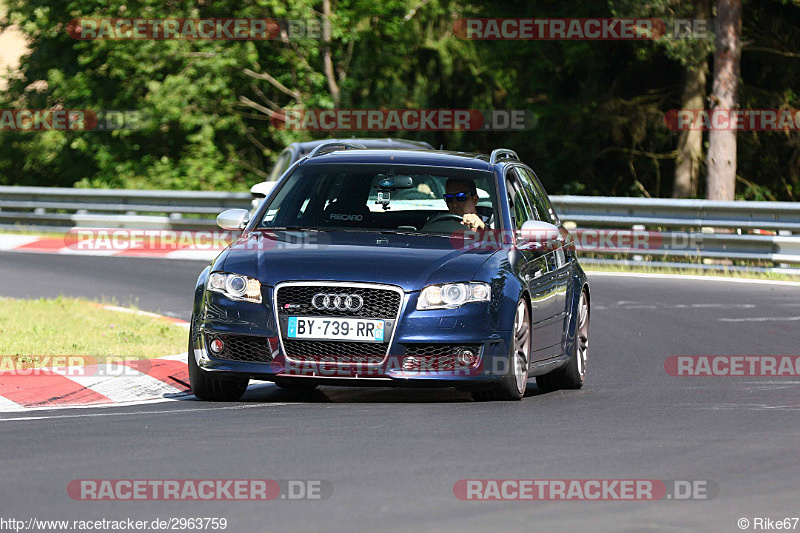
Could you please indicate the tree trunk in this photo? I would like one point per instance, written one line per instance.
(721, 160)
(690, 142)
(327, 53)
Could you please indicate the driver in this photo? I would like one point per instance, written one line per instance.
(461, 197)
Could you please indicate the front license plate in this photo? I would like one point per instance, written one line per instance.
(348, 329)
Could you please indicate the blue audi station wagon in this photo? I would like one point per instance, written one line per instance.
(415, 268)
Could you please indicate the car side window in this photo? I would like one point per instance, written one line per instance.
(538, 196)
(517, 201)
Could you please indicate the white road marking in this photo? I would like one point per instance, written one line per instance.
(762, 319)
(694, 278)
(717, 306)
(153, 412)
(184, 397)
(254, 386)
(749, 406)
(176, 321)
(72, 251)
(129, 311)
(625, 305)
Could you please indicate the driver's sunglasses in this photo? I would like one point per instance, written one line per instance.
(460, 196)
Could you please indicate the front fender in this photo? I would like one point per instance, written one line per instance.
(200, 289)
(500, 271)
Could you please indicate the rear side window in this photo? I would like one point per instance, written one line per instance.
(517, 201)
(538, 196)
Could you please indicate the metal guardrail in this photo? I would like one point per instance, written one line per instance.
(595, 211)
(64, 208)
(693, 230)
(707, 234)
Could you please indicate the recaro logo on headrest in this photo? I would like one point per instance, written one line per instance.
(338, 216)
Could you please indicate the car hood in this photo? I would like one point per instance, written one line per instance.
(410, 261)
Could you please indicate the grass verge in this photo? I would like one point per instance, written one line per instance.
(32, 331)
(33, 233)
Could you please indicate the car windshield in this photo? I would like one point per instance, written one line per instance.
(381, 198)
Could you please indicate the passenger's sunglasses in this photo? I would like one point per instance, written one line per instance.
(460, 196)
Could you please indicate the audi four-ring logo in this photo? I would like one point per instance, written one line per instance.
(339, 302)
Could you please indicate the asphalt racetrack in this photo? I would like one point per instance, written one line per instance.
(392, 456)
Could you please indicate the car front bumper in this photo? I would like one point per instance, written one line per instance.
(427, 348)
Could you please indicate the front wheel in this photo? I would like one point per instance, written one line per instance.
(512, 386)
(209, 387)
(573, 375)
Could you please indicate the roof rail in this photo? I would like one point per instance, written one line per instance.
(331, 146)
(504, 153)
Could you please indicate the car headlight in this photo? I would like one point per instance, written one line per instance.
(452, 295)
(235, 286)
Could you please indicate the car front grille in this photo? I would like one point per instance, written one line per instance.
(378, 303)
(335, 352)
(242, 348)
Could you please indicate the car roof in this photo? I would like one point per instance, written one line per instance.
(436, 158)
(304, 148)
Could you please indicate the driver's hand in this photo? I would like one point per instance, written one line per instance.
(473, 221)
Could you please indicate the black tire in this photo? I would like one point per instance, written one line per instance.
(209, 387)
(573, 375)
(514, 383)
(301, 384)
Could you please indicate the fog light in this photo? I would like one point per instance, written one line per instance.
(466, 357)
(217, 346)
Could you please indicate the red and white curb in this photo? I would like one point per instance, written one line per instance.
(101, 385)
(57, 245)
(98, 385)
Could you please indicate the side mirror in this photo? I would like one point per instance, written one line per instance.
(539, 234)
(233, 219)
